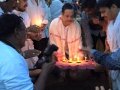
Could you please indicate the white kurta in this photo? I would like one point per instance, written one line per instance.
(37, 13)
(66, 38)
(113, 39)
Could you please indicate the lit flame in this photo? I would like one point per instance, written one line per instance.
(37, 22)
(75, 56)
(75, 59)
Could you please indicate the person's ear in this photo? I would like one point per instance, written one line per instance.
(17, 34)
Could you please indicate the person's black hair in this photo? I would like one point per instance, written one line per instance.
(8, 24)
(67, 6)
(88, 4)
(108, 3)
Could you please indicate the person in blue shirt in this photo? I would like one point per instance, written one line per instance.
(110, 61)
(14, 73)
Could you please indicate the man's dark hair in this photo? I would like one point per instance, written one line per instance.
(67, 6)
(8, 24)
(88, 4)
(108, 3)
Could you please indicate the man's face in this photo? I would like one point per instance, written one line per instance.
(107, 13)
(22, 5)
(68, 16)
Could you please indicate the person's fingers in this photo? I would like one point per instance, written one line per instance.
(48, 67)
(35, 52)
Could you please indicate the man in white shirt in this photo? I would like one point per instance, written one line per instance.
(65, 32)
(37, 11)
(17, 7)
(20, 10)
(110, 9)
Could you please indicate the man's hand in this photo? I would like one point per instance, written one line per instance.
(87, 53)
(34, 72)
(48, 67)
(31, 53)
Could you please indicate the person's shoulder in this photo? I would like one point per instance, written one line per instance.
(7, 51)
(9, 57)
(54, 21)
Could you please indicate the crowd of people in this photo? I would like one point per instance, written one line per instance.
(27, 27)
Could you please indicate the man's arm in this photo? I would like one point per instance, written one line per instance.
(110, 61)
(40, 83)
